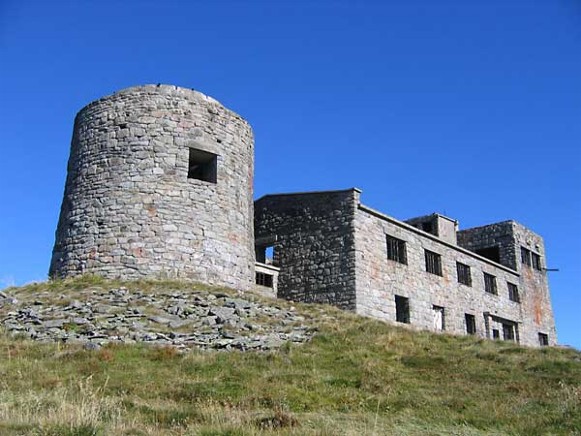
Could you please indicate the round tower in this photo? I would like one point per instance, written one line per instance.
(160, 185)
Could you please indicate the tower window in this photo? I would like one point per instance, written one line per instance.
(536, 261)
(525, 256)
(202, 165)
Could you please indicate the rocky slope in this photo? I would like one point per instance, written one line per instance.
(183, 318)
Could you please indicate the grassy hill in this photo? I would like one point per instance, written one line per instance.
(355, 377)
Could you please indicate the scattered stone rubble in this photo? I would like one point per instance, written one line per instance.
(183, 319)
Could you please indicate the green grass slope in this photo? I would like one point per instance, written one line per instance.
(356, 377)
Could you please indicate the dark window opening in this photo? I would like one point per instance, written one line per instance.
(396, 250)
(492, 253)
(513, 293)
(508, 333)
(402, 309)
(464, 275)
(203, 166)
(264, 279)
(536, 261)
(470, 324)
(265, 254)
(428, 226)
(495, 334)
(543, 339)
(439, 318)
(525, 256)
(490, 284)
(433, 263)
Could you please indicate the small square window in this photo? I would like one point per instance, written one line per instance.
(513, 292)
(490, 284)
(470, 324)
(543, 339)
(433, 262)
(464, 275)
(396, 250)
(402, 309)
(202, 165)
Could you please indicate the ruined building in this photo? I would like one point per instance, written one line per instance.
(487, 281)
(160, 185)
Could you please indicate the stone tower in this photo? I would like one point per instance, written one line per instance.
(159, 184)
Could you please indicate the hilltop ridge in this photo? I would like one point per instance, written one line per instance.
(348, 375)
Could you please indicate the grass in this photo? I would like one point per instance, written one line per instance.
(357, 376)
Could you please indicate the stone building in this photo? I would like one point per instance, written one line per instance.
(159, 184)
(488, 281)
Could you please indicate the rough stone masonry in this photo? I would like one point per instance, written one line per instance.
(159, 184)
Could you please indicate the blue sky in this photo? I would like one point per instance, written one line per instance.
(467, 108)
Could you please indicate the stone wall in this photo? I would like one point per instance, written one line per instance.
(314, 245)
(379, 280)
(536, 299)
(332, 249)
(131, 208)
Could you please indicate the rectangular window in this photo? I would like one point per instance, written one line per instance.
(490, 284)
(439, 321)
(495, 334)
(470, 324)
(464, 275)
(536, 261)
(396, 250)
(543, 339)
(402, 309)
(508, 332)
(264, 279)
(433, 262)
(203, 165)
(513, 292)
(525, 256)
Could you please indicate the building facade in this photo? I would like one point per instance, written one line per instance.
(487, 281)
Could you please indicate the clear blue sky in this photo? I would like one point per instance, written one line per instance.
(468, 108)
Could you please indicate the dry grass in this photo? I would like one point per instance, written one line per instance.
(357, 377)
